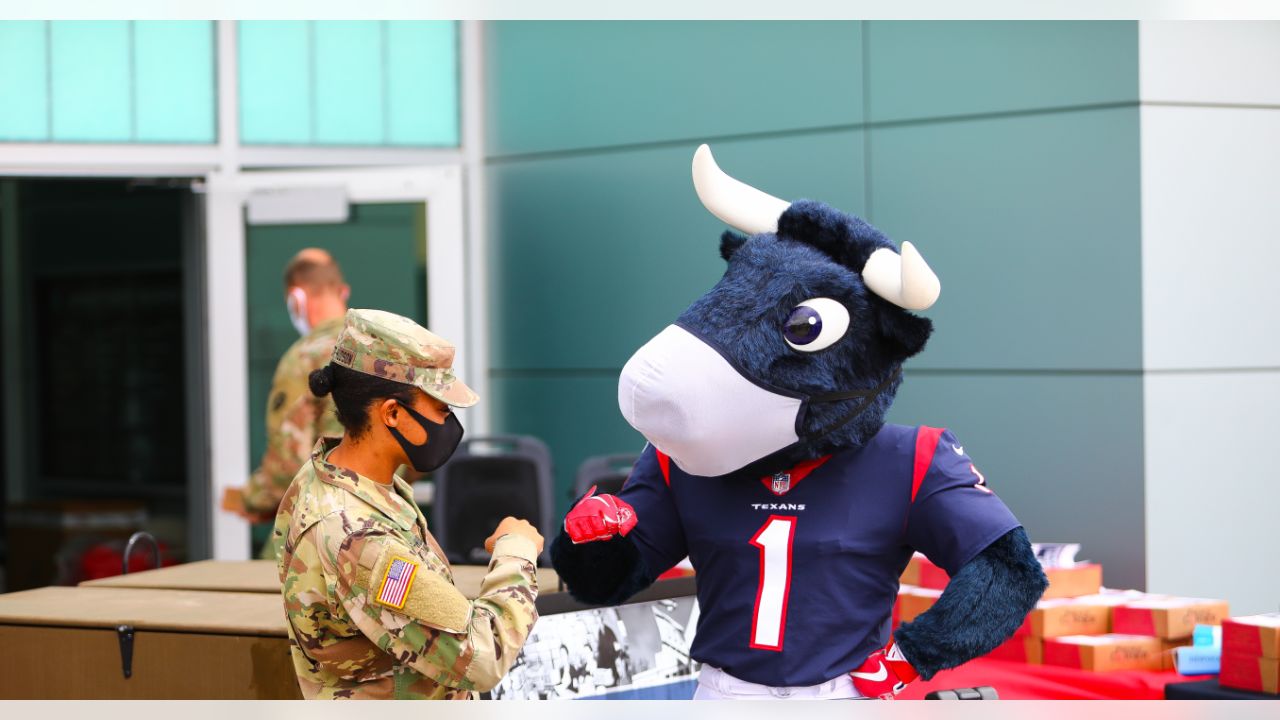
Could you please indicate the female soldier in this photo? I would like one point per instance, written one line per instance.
(370, 600)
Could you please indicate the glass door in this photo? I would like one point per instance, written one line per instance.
(397, 235)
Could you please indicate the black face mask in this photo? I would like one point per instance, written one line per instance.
(442, 440)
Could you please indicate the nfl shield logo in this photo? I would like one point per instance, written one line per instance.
(781, 483)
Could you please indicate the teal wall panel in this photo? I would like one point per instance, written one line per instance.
(91, 74)
(1032, 224)
(276, 82)
(576, 414)
(349, 107)
(1063, 450)
(931, 69)
(422, 83)
(24, 82)
(357, 83)
(175, 81)
(562, 85)
(599, 252)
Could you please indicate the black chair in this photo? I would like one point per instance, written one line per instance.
(487, 479)
(606, 472)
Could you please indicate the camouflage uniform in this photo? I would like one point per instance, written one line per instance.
(344, 536)
(295, 420)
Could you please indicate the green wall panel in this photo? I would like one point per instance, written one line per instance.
(422, 83)
(91, 75)
(562, 85)
(348, 83)
(380, 249)
(276, 83)
(576, 414)
(174, 81)
(1032, 223)
(24, 83)
(595, 254)
(1063, 450)
(929, 69)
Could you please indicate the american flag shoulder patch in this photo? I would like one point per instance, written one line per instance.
(396, 581)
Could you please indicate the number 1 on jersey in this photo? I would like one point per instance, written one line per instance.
(768, 621)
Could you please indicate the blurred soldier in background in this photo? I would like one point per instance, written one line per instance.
(316, 298)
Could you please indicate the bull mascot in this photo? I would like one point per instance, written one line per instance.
(770, 466)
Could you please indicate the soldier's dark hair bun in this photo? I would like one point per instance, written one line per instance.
(321, 381)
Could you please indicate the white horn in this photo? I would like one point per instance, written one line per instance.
(904, 280)
(735, 202)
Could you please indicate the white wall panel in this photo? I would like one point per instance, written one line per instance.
(1209, 62)
(1213, 486)
(1210, 237)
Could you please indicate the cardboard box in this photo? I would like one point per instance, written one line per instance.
(261, 576)
(1068, 616)
(1257, 635)
(1023, 649)
(915, 602)
(1169, 618)
(1081, 579)
(1250, 672)
(921, 572)
(1169, 652)
(1100, 653)
(62, 643)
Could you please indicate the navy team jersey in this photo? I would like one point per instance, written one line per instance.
(797, 573)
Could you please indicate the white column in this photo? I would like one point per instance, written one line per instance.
(227, 341)
(1210, 134)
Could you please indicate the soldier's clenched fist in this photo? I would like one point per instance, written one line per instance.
(514, 526)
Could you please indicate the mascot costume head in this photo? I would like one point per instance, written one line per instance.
(796, 353)
(784, 371)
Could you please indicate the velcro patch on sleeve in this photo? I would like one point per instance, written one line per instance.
(408, 585)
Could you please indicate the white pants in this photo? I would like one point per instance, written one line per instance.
(716, 684)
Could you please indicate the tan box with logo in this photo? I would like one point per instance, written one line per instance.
(1100, 653)
(1171, 618)
(1080, 579)
(1020, 648)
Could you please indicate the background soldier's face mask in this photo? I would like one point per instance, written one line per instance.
(296, 304)
(442, 440)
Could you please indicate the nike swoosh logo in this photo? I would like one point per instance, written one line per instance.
(873, 677)
(958, 448)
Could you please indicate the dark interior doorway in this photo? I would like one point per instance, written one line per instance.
(99, 434)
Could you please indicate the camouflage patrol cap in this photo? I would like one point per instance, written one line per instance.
(389, 346)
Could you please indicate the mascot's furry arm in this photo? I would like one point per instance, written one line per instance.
(982, 606)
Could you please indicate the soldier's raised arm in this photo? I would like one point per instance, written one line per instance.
(415, 614)
(294, 418)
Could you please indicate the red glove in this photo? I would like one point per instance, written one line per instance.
(599, 517)
(884, 673)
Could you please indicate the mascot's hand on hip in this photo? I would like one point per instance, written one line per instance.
(599, 517)
(884, 673)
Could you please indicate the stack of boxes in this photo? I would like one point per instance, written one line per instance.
(1079, 624)
(1251, 653)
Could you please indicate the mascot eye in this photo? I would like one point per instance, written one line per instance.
(816, 325)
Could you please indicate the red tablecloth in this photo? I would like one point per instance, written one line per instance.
(1018, 681)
